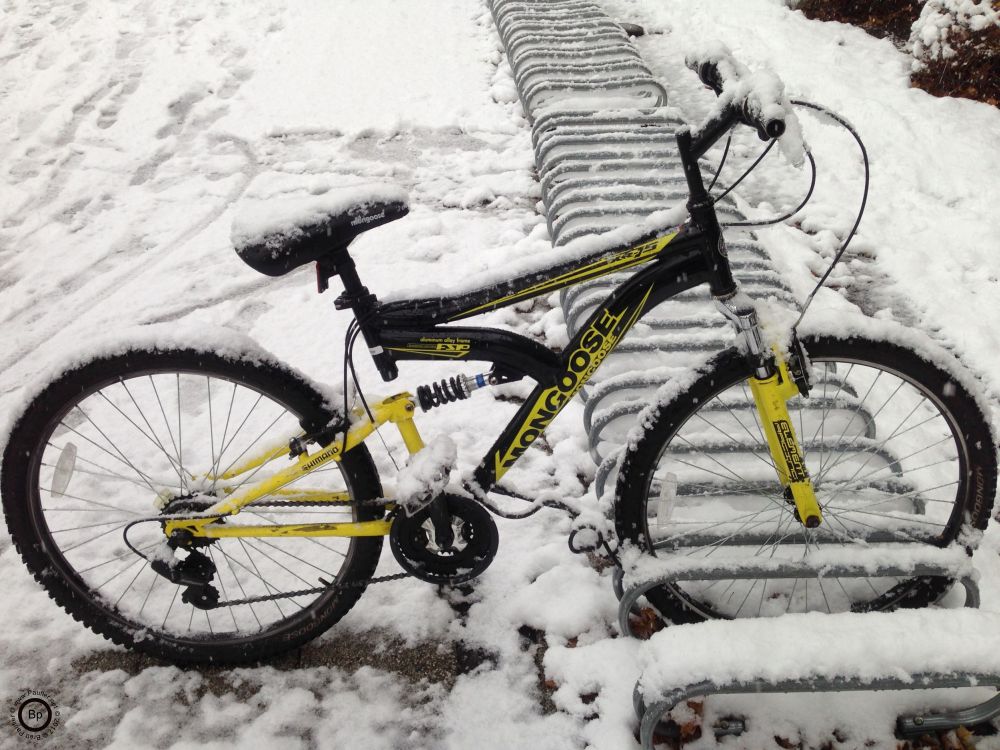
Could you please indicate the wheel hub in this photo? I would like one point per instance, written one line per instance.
(179, 506)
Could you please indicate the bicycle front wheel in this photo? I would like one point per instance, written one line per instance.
(152, 433)
(898, 451)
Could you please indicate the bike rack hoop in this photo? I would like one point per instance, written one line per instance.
(642, 572)
(903, 650)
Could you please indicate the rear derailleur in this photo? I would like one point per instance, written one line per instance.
(196, 571)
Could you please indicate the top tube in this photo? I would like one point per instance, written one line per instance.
(433, 310)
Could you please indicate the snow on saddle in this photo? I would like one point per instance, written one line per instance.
(276, 235)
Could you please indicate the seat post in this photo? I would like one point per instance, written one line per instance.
(364, 304)
(344, 266)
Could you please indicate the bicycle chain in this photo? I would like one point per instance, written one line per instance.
(308, 592)
(350, 584)
(381, 502)
(374, 502)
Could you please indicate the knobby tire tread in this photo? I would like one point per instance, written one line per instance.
(23, 452)
(641, 457)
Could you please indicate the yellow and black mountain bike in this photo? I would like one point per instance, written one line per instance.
(209, 504)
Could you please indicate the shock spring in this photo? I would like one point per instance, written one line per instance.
(448, 390)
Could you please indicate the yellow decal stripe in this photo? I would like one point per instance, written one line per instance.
(428, 352)
(551, 401)
(626, 259)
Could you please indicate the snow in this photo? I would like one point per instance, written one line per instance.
(272, 219)
(864, 646)
(426, 474)
(940, 19)
(130, 133)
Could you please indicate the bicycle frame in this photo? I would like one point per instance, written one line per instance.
(557, 377)
(673, 261)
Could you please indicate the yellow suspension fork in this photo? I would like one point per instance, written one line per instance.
(772, 386)
(771, 396)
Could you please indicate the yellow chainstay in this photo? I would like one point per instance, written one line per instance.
(771, 396)
(397, 409)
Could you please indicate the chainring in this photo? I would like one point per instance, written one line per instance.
(412, 541)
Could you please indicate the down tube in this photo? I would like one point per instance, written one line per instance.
(581, 358)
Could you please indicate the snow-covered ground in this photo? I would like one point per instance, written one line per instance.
(131, 130)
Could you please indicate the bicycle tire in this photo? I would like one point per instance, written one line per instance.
(112, 472)
(674, 496)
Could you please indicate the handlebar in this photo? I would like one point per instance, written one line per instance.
(755, 99)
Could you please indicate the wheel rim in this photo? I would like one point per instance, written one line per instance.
(888, 466)
(127, 445)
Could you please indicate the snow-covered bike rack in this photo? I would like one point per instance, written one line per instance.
(747, 663)
(641, 572)
(604, 149)
(904, 650)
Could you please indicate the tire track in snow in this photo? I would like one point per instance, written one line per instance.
(111, 276)
(183, 136)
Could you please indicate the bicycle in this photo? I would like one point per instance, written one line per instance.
(239, 512)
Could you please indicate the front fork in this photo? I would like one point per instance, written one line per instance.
(772, 385)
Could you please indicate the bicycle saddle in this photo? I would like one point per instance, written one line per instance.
(277, 235)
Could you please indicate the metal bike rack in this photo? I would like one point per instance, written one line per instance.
(914, 726)
(654, 697)
(606, 157)
(604, 147)
(642, 572)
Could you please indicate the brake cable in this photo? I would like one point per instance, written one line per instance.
(353, 330)
(861, 211)
(790, 214)
(722, 161)
(812, 185)
(749, 169)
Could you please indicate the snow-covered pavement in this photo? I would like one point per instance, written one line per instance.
(130, 131)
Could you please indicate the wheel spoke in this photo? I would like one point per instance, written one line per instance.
(181, 474)
(886, 464)
(154, 419)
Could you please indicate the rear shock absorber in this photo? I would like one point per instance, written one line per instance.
(450, 389)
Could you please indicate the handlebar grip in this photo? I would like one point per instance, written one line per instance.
(746, 108)
(767, 128)
(709, 74)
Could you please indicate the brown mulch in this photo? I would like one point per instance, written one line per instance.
(974, 71)
(880, 18)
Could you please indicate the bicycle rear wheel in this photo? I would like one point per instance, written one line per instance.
(148, 433)
(898, 451)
